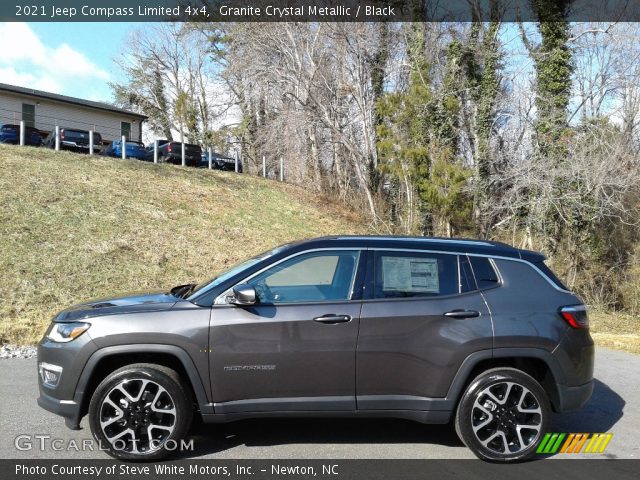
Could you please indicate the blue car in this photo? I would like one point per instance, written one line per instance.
(132, 150)
(11, 134)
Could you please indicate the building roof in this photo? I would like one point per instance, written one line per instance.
(65, 99)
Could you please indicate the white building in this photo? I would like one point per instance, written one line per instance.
(44, 110)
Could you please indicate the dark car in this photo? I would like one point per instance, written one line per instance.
(150, 147)
(171, 152)
(219, 162)
(425, 329)
(74, 140)
(10, 133)
(132, 150)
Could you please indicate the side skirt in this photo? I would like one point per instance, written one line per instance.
(427, 417)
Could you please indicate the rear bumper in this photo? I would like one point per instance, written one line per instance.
(68, 409)
(573, 398)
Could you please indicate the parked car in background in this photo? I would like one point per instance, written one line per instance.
(132, 150)
(75, 140)
(219, 162)
(10, 133)
(171, 152)
(149, 150)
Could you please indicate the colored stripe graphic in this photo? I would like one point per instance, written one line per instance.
(568, 443)
(550, 443)
(574, 443)
(579, 445)
(598, 442)
(544, 441)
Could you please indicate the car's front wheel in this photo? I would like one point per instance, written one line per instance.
(140, 412)
(503, 415)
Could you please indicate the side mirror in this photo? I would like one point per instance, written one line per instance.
(243, 294)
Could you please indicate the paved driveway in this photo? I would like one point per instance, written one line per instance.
(614, 407)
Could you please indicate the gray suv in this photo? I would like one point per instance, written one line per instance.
(433, 330)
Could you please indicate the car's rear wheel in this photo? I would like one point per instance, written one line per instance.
(503, 415)
(140, 412)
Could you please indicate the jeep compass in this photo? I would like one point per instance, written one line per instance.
(434, 330)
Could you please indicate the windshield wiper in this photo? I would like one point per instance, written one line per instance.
(181, 291)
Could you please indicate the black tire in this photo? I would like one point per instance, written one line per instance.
(490, 409)
(167, 416)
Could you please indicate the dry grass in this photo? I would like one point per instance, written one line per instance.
(616, 330)
(74, 228)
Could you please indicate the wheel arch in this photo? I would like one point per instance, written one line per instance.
(539, 363)
(108, 359)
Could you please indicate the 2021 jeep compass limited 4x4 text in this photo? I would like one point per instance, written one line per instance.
(425, 329)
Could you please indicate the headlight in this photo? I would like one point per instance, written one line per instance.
(65, 332)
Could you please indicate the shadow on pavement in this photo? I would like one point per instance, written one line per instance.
(213, 438)
(599, 415)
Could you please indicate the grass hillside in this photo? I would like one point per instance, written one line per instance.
(74, 228)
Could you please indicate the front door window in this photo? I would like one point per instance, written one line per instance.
(325, 276)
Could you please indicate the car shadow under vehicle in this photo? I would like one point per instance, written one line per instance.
(213, 438)
(603, 410)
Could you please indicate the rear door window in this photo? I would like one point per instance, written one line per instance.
(484, 273)
(414, 274)
(467, 280)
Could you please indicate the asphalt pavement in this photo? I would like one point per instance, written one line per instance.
(25, 428)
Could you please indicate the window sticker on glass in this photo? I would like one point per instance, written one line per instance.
(410, 274)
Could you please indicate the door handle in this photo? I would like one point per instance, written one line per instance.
(332, 319)
(459, 313)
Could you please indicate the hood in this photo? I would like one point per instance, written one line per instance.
(134, 303)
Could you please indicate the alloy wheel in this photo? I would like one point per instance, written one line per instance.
(506, 417)
(137, 416)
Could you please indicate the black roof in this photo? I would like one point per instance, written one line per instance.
(63, 98)
(459, 245)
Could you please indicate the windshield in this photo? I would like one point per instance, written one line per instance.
(214, 282)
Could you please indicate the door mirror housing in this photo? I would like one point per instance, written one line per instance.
(243, 294)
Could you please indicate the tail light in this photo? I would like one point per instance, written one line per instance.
(575, 315)
(169, 148)
(61, 134)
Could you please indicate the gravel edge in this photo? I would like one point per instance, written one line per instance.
(17, 351)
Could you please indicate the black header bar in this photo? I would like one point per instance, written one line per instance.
(308, 11)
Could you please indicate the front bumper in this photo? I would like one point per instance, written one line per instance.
(63, 399)
(68, 409)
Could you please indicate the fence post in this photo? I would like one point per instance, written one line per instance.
(90, 142)
(184, 155)
(124, 147)
(281, 169)
(155, 151)
(22, 133)
(236, 162)
(264, 167)
(57, 138)
(210, 153)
